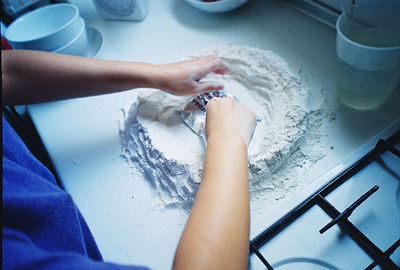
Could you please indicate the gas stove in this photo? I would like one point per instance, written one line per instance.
(353, 222)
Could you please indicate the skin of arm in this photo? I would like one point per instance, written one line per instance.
(33, 76)
(216, 235)
(220, 217)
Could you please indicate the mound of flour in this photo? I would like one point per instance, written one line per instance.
(171, 157)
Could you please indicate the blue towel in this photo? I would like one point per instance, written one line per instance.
(42, 227)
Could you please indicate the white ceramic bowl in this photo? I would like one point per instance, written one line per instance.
(217, 6)
(46, 28)
(79, 45)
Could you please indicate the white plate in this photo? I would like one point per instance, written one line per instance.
(95, 40)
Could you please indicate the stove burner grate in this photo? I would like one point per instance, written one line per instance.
(380, 258)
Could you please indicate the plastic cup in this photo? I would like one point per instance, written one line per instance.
(368, 53)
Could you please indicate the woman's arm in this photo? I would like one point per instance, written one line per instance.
(216, 235)
(34, 76)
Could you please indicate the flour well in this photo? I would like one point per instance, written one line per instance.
(286, 138)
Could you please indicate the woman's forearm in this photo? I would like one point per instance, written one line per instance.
(220, 218)
(34, 76)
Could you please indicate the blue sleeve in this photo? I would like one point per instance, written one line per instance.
(19, 252)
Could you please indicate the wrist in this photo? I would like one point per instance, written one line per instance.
(229, 140)
(155, 76)
(151, 76)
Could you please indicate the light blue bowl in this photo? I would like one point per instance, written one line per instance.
(217, 6)
(78, 46)
(46, 28)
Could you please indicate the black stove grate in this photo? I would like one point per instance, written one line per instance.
(381, 258)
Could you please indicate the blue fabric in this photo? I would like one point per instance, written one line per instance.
(42, 227)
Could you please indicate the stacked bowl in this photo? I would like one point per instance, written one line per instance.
(54, 28)
(216, 6)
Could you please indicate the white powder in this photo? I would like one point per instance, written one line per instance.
(285, 141)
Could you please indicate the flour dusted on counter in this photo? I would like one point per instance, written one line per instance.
(286, 138)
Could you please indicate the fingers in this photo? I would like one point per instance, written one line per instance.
(214, 64)
(208, 86)
(202, 66)
(209, 64)
(185, 78)
(221, 71)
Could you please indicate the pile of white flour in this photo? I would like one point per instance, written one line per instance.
(286, 139)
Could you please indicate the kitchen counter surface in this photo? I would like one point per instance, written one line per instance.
(82, 135)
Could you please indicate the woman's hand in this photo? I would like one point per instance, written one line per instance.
(226, 119)
(183, 78)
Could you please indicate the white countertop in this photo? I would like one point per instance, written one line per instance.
(82, 139)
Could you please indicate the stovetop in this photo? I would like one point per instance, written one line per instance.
(351, 223)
